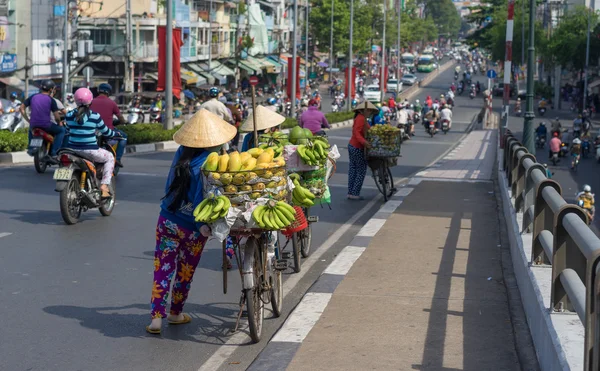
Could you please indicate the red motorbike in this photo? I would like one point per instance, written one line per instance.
(39, 147)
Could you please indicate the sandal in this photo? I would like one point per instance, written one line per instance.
(153, 331)
(186, 319)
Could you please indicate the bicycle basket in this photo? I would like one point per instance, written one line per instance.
(297, 225)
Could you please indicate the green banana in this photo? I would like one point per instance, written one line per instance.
(220, 203)
(205, 212)
(268, 220)
(200, 207)
(278, 222)
(285, 211)
(282, 217)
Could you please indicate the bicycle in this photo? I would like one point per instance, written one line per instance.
(261, 273)
(382, 174)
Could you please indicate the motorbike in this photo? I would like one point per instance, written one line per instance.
(39, 148)
(155, 116)
(587, 211)
(564, 150)
(459, 91)
(518, 111)
(335, 107)
(585, 147)
(431, 128)
(11, 121)
(78, 182)
(135, 116)
(455, 76)
(576, 132)
(540, 141)
(445, 126)
(417, 117)
(555, 159)
(472, 94)
(541, 111)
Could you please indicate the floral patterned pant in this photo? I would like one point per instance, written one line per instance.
(357, 170)
(180, 248)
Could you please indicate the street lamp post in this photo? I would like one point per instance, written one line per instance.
(294, 61)
(398, 49)
(528, 129)
(350, 74)
(587, 61)
(331, 43)
(382, 81)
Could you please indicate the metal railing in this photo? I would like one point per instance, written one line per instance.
(561, 239)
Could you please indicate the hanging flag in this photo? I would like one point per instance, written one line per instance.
(162, 60)
(352, 79)
(290, 77)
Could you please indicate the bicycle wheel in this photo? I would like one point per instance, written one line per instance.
(225, 266)
(390, 182)
(276, 283)
(296, 248)
(305, 237)
(381, 175)
(254, 302)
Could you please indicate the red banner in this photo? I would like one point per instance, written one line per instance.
(385, 75)
(290, 78)
(162, 60)
(352, 79)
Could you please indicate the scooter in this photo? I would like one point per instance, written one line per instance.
(541, 111)
(555, 158)
(540, 142)
(417, 117)
(155, 115)
(431, 128)
(564, 150)
(472, 94)
(11, 121)
(135, 116)
(445, 126)
(585, 147)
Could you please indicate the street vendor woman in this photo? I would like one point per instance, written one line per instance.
(266, 120)
(356, 149)
(179, 239)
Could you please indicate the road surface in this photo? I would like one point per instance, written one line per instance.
(77, 297)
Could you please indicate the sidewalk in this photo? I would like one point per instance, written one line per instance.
(421, 287)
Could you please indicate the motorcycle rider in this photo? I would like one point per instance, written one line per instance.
(272, 104)
(577, 124)
(42, 105)
(417, 107)
(15, 104)
(446, 114)
(555, 144)
(450, 98)
(575, 151)
(428, 101)
(70, 102)
(431, 115)
(586, 200)
(477, 87)
(107, 108)
(83, 124)
(542, 104)
(218, 108)
(556, 126)
(453, 87)
(313, 119)
(442, 100)
(403, 118)
(461, 87)
(541, 131)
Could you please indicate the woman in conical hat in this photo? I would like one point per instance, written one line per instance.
(265, 120)
(358, 162)
(179, 238)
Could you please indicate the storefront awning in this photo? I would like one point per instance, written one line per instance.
(13, 81)
(270, 65)
(192, 78)
(151, 76)
(218, 68)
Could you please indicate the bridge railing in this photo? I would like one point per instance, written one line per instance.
(561, 240)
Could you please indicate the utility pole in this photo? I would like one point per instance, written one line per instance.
(169, 73)
(350, 74)
(398, 49)
(528, 130)
(209, 34)
(26, 72)
(382, 79)
(331, 44)
(294, 57)
(508, 64)
(128, 48)
(65, 83)
(306, 41)
(587, 61)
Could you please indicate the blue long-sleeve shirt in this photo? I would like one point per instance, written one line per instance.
(184, 214)
(82, 135)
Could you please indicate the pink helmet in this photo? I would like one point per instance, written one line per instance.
(83, 97)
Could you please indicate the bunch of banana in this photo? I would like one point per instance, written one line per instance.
(313, 154)
(277, 147)
(301, 196)
(274, 215)
(211, 209)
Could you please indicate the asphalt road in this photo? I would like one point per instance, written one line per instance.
(570, 181)
(77, 297)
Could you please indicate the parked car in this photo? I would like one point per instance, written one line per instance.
(498, 90)
(392, 84)
(372, 93)
(409, 79)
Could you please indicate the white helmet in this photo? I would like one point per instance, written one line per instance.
(416, 101)
(587, 188)
(576, 141)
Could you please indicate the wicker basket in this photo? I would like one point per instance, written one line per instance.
(297, 225)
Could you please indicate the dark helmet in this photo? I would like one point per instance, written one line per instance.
(47, 85)
(213, 92)
(229, 97)
(13, 95)
(105, 88)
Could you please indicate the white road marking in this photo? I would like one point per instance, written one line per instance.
(4, 234)
(303, 318)
(390, 206)
(221, 355)
(343, 262)
(143, 174)
(346, 186)
(371, 228)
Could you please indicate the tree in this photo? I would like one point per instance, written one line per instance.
(445, 16)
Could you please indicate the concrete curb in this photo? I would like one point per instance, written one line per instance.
(558, 337)
(23, 158)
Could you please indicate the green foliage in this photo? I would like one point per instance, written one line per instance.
(368, 25)
(289, 123)
(445, 15)
(334, 117)
(568, 43)
(147, 133)
(13, 142)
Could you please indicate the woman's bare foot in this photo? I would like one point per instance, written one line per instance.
(154, 326)
(175, 317)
